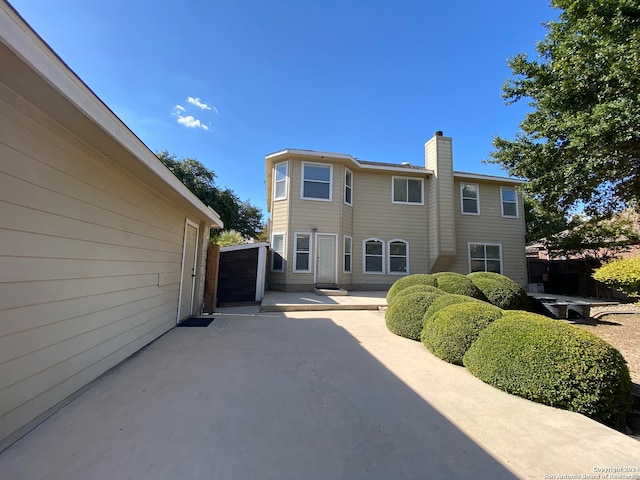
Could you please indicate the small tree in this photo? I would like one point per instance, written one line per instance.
(623, 274)
(227, 238)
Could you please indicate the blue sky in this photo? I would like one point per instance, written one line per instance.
(229, 81)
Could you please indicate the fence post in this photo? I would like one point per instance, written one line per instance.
(211, 278)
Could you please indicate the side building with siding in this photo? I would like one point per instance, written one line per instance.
(102, 249)
(337, 221)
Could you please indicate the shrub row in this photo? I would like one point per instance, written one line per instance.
(497, 289)
(519, 352)
(553, 363)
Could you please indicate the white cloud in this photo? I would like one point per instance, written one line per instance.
(191, 122)
(181, 108)
(198, 103)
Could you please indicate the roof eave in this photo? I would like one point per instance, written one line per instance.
(60, 81)
(489, 178)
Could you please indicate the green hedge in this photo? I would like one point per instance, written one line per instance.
(458, 284)
(501, 291)
(449, 333)
(623, 274)
(417, 289)
(446, 300)
(553, 363)
(408, 281)
(404, 315)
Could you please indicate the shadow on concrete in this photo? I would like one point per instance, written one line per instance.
(257, 397)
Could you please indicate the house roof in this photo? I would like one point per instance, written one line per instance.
(31, 69)
(489, 178)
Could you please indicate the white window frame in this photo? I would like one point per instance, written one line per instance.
(276, 181)
(302, 180)
(283, 254)
(364, 256)
(484, 244)
(344, 254)
(393, 190)
(295, 252)
(463, 198)
(348, 173)
(503, 201)
(406, 256)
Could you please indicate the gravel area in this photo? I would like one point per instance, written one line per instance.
(620, 326)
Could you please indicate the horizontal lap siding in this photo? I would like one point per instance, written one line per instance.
(347, 229)
(81, 247)
(375, 216)
(279, 224)
(491, 227)
(305, 214)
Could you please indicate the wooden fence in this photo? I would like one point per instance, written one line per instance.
(211, 278)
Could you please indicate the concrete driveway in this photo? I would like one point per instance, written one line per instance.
(306, 395)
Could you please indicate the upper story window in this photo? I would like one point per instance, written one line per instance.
(348, 186)
(373, 256)
(280, 181)
(277, 252)
(407, 190)
(470, 200)
(316, 181)
(485, 257)
(509, 199)
(398, 257)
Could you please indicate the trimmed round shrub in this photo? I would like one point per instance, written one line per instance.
(553, 363)
(446, 274)
(458, 284)
(408, 281)
(622, 274)
(446, 300)
(416, 289)
(500, 290)
(449, 333)
(404, 315)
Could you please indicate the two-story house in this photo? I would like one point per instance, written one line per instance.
(336, 221)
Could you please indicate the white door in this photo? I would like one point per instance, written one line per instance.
(187, 284)
(326, 259)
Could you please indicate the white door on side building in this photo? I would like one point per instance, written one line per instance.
(188, 280)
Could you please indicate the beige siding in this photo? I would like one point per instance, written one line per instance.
(84, 247)
(307, 214)
(280, 224)
(439, 158)
(375, 216)
(346, 279)
(491, 227)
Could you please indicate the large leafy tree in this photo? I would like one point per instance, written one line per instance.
(238, 215)
(579, 146)
(542, 223)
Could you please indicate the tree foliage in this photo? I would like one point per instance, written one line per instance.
(593, 238)
(542, 222)
(228, 238)
(580, 144)
(589, 238)
(236, 214)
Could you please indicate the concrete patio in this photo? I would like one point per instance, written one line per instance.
(308, 301)
(313, 395)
